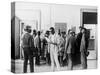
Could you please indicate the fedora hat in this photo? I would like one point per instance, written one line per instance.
(27, 28)
(81, 27)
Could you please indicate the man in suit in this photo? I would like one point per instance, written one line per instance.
(70, 48)
(27, 49)
(77, 51)
(84, 47)
(37, 44)
(34, 35)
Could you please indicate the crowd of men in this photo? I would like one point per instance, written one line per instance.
(55, 48)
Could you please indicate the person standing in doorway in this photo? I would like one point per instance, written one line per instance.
(83, 48)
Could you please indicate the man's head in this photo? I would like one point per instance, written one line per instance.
(83, 30)
(73, 34)
(69, 31)
(28, 29)
(39, 33)
(80, 28)
(47, 33)
(34, 32)
(59, 33)
(52, 30)
(62, 34)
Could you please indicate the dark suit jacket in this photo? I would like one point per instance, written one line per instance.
(78, 42)
(71, 44)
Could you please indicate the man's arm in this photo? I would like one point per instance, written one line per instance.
(49, 41)
(30, 42)
(35, 41)
(66, 44)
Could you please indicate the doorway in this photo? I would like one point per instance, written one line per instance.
(89, 21)
(31, 18)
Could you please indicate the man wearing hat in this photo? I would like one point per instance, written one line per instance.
(27, 49)
(82, 41)
(83, 48)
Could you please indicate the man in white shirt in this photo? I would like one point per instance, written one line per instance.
(53, 47)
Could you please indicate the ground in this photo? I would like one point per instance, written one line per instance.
(92, 64)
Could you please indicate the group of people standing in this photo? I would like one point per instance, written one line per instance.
(56, 47)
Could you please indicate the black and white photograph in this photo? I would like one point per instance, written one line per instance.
(47, 37)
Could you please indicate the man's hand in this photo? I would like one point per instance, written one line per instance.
(53, 43)
(64, 57)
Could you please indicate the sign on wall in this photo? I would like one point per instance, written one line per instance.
(61, 26)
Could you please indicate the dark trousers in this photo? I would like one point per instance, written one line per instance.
(37, 62)
(70, 62)
(48, 58)
(61, 53)
(76, 58)
(60, 60)
(28, 56)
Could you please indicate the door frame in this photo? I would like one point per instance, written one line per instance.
(85, 10)
(81, 24)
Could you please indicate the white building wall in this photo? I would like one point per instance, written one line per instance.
(30, 8)
(51, 13)
(69, 14)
